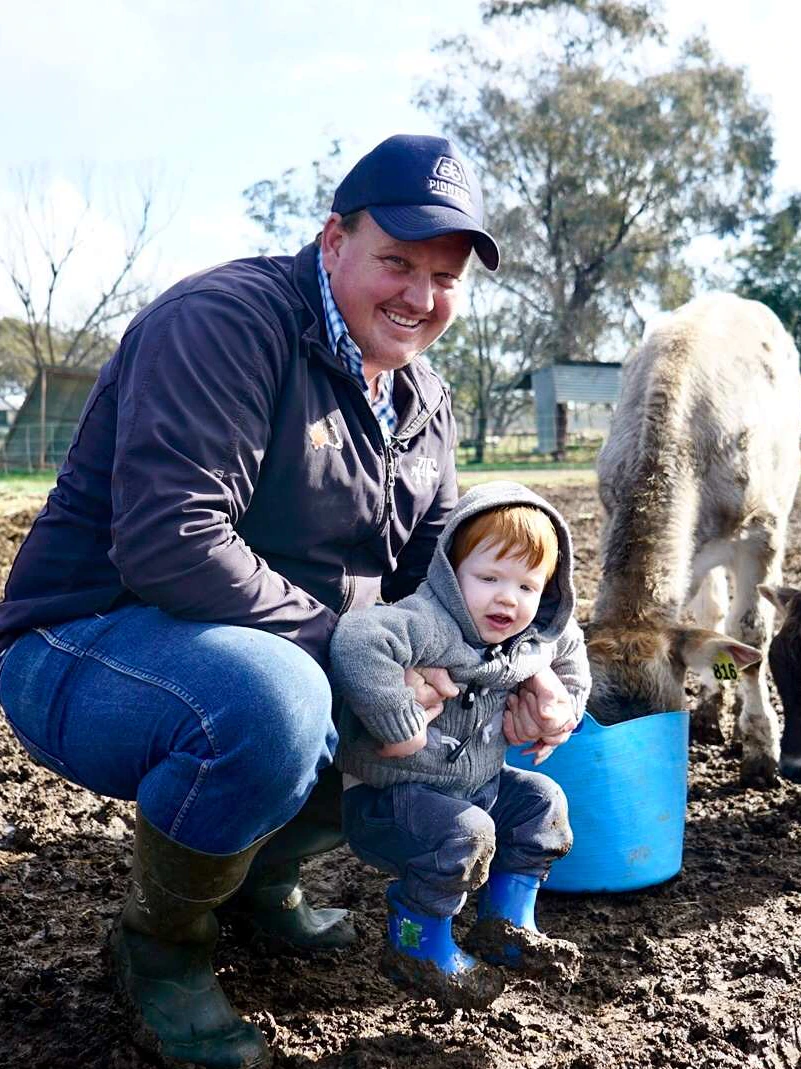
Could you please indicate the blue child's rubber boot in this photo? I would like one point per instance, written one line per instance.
(506, 932)
(422, 955)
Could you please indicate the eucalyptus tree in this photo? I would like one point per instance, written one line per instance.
(769, 267)
(603, 154)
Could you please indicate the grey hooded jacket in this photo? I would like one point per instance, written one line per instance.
(371, 648)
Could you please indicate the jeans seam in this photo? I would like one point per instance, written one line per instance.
(165, 684)
(158, 681)
(137, 673)
(59, 643)
(190, 798)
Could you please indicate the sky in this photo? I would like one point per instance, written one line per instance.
(202, 98)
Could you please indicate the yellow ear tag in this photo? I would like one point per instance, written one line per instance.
(724, 669)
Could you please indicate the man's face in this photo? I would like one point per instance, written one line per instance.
(396, 297)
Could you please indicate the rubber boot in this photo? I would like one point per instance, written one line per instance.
(161, 950)
(270, 912)
(506, 932)
(422, 955)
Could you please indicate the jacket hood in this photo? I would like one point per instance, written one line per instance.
(558, 600)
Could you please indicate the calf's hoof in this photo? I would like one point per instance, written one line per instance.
(758, 770)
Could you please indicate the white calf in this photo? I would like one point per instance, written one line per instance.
(697, 478)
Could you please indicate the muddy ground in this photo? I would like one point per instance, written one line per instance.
(704, 971)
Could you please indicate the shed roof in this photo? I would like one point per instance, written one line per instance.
(590, 382)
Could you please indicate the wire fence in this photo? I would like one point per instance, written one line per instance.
(33, 447)
(521, 448)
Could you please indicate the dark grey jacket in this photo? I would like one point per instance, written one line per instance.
(227, 468)
(371, 649)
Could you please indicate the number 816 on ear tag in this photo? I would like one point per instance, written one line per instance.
(724, 669)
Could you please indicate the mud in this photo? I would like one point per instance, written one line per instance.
(704, 971)
(532, 954)
(473, 988)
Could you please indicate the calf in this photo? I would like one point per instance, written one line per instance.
(697, 478)
(785, 665)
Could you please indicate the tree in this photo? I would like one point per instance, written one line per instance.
(481, 357)
(598, 174)
(39, 258)
(292, 208)
(769, 269)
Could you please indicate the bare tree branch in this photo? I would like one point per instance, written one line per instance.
(40, 259)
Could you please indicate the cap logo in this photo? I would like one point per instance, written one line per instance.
(451, 170)
(449, 178)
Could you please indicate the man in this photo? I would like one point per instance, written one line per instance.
(261, 454)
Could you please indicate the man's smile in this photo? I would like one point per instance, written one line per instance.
(401, 321)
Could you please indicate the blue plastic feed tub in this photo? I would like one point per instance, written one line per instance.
(626, 786)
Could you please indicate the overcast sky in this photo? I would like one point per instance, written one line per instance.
(208, 97)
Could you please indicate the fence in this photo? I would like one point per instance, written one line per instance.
(521, 448)
(24, 451)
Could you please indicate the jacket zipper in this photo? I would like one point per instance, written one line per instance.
(390, 458)
(391, 470)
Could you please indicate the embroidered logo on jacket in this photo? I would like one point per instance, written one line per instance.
(424, 470)
(325, 432)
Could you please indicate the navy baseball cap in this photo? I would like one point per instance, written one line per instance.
(418, 187)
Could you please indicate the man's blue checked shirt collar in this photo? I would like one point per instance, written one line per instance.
(342, 345)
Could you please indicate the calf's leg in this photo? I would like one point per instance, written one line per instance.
(757, 560)
(709, 607)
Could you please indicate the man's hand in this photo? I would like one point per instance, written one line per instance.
(431, 687)
(541, 713)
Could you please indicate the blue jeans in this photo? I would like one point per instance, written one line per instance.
(217, 731)
(441, 847)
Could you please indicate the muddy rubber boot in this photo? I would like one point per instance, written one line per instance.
(270, 914)
(161, 950)
(506, 932)
(423, 956)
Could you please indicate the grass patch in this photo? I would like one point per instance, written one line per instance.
(21, 490)
(555, 474)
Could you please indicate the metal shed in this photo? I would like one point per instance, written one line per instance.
(577, 383)
(42, 430)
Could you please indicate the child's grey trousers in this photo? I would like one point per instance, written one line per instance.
(441, 846)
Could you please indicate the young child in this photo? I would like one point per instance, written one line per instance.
(431, 800)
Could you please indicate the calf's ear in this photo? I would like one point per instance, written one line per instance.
(700, 650)
(778, 596)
